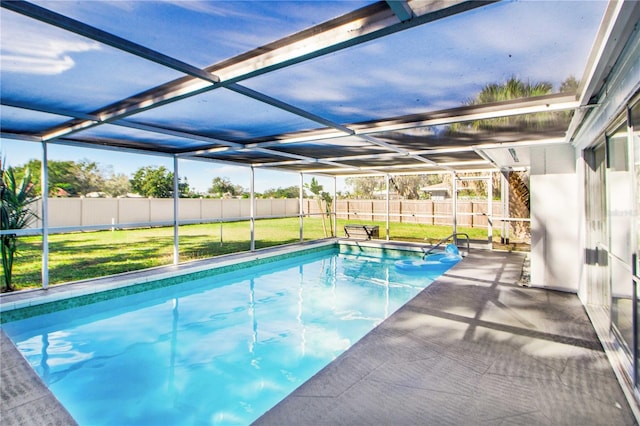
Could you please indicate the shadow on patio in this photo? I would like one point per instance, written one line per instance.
(473, 348)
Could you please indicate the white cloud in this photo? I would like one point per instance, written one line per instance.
(35, 49)
(215, 8)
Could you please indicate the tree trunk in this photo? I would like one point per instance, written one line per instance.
(8, 250)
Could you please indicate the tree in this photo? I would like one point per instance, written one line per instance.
(365, 187)
(288, 192)
(324, 200)
(408, 187)
(87, 176)
(515, 88)
(74, 178)
(570, 85)
(15, 214)
(222, 185)
(509, 90)
(153, 181)
(61, 174)
(184, 189)
(117, 185)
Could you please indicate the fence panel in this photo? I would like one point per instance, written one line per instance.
(442, 213)
(75, 212)
(292, 207)
(231, 208)
(276, 207)
(212, 208)
(412, 210)
(245, 207)
(97, 211)
(64, 214)
(264, 208)
(133, 210)
(161, 209)
(464, 213)
(190, 208)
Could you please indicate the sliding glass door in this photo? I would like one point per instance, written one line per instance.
(620, 201)
(612, 201)
(597, 251)
(634, 119)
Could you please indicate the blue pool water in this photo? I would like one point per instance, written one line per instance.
(218, 350)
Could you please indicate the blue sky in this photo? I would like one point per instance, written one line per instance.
(442, 64)
(199, 174)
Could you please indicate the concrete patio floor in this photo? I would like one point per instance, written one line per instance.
(473, 348)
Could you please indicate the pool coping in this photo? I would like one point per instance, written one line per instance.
(40, 296)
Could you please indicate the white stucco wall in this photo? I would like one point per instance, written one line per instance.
(555, 249)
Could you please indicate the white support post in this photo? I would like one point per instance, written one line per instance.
(334, 210)
(252, 209)
(490, 209)
(388, 177)
(454, 180)
(301, 198)
(176, 199)
(44, 190)
(507, 209)
(506, 224)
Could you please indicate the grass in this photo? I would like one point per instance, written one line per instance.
(83, 255)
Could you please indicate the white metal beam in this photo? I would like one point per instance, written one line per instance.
(49, 110)
(20, 136)
(547, 103)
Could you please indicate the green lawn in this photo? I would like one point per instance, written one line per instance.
(83, 255)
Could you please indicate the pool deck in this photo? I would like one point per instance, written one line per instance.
(473, 348)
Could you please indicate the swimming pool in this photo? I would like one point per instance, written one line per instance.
(221, 349)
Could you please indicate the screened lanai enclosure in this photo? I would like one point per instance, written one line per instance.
(323, 88)
(336, 89)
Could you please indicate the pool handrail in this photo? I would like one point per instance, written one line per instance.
(444, 240)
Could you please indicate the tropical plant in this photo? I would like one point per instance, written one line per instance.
(515, 88)
(15, 214)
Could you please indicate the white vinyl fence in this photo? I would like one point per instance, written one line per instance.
(130, 212)
(139, 212)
